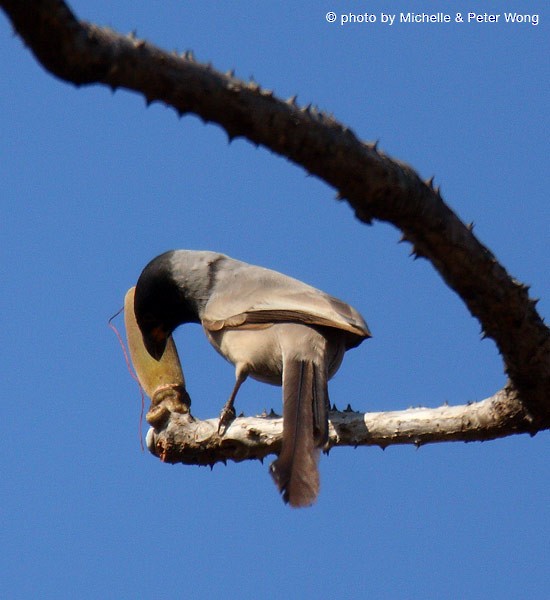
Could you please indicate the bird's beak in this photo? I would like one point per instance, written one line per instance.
(155, 342)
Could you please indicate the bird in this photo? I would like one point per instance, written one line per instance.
(273, 328)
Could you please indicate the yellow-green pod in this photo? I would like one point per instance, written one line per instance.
(161, 379)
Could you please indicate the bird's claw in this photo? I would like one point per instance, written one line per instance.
(227, 415)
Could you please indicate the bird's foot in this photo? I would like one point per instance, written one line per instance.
(227, 415)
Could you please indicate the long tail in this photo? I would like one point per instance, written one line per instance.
(305, 431)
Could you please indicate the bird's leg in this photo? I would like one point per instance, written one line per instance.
(227, 413)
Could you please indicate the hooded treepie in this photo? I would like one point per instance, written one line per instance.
(273, 328)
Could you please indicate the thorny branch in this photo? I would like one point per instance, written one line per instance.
(176, 436)
(374, 185)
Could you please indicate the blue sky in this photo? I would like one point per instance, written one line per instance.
(94, 185)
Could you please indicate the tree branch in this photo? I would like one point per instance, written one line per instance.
(179, 437)
(374, 185)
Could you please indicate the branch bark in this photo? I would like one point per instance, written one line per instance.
(176, 436)
(374, 185)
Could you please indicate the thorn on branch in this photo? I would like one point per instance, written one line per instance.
(416, 253)
(230, 136)
(402, 239)
(363, 215)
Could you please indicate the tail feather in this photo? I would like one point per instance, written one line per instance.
(320, 406)
(305, 429)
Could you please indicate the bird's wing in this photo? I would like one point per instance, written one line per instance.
(249, 296)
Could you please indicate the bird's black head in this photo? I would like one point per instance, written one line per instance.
(160, 304)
